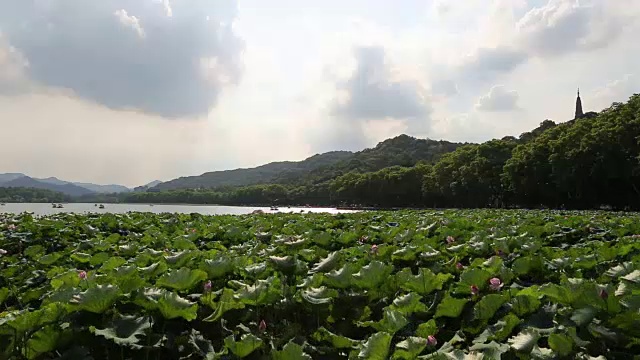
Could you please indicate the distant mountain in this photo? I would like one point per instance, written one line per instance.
(10, 176)
(258, 175)
(147, 186)
(402, 150)
(89, 187)
(65, 188)
(104, 189)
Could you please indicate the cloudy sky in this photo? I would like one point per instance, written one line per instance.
(121, 91)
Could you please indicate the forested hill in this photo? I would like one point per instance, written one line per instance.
(402, 150)
(583, 163)
(19, 194)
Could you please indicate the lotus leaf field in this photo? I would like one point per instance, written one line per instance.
(456, 284)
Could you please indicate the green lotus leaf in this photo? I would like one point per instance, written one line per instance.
(128, 279)
(43, 341)
(112, 263)
(340, 278)
(321, 295)
(248, 343)
(99, 258)
(291, 351)
(409, 304)
(181, 279)
(261, 293)
(4, 294)
(424, 283)
(487, 306)
(256, 270)
(525, 340)
(227, 302)
(561, 344)
(522, 305)
(410, 348)
(284, 263)
(634, 276)
(218, 267)
(583, 316)
(97, 299)
(492, 350)
(154, 269)
(81, 257)
(620, 270)
(171, 305)
(34, 251)
(125, 330)
(66, 280)
(450, 307)
(337, 341)
(372, 275)
(49, 259)
(427, 328)
(392, 321)
(202, 346)
(557, 293)
(179, 259)
(26, 321)
(474, 276)
(327, 264)
(376, 347)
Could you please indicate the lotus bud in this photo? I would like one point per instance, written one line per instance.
(474, 290)
(262, 326)
(82, 275)
(207, 286)
(374, 249)
(432, 341)
(3, 252)
(495, 284)
(459, 266)
(604, 294)
(450, 239)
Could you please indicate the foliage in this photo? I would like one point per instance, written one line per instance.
(374, 285)
(21, 194)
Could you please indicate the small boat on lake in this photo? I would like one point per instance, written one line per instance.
(101, 206)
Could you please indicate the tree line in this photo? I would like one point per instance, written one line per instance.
(588, 162)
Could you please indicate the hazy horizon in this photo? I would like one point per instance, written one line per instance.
(126, 93)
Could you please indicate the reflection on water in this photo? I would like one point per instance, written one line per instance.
(47, 209)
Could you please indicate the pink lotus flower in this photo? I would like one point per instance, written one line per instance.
(207, 286)
(450, 239)
(604, 294)
(363, 239)
(459, 266)
(432, 341)
(499, 253)
(474, 290)
(495, 284)
(374, 249)
(3, 252)
(11, 227)
(262, 326)
(82, 275)
(193, 231)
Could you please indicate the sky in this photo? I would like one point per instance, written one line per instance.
(117, 91)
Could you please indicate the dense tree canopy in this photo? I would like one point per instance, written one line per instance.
(18, 194)
(584, 163)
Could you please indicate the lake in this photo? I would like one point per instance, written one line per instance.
(47, 209)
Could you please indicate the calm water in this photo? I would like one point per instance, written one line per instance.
(47, 209)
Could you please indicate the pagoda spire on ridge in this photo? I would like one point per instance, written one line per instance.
(579, 112)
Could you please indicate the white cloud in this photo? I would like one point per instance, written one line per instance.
(498, 99)
(615, 91)
(130, 21)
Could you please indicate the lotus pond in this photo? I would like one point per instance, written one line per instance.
(463, 284)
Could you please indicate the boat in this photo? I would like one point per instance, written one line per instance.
(274, 208)
(1, 204)
(101, 206)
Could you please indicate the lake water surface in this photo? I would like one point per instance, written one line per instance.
(47, 209)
